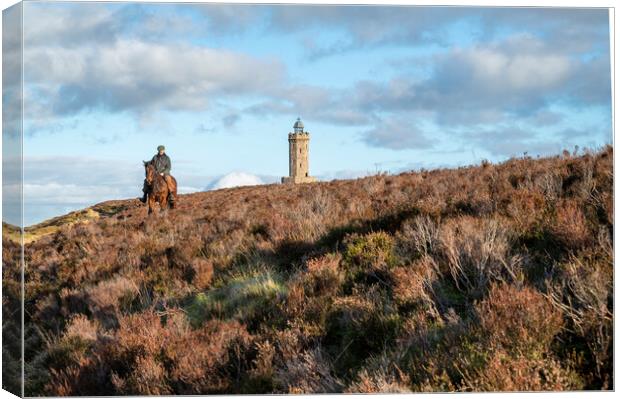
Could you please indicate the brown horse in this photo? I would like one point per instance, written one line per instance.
(158, 192)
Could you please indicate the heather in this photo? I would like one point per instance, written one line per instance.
(491, 277)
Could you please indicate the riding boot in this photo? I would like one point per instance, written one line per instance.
(143, 199)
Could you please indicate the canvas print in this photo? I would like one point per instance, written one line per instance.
(212, 198)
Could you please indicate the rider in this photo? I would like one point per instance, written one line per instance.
(162, 165)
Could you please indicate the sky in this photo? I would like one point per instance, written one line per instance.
(379, 88)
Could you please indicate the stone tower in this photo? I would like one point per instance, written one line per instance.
(298, 155)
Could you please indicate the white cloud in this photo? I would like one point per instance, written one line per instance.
(496, 69)
(398, 134)
(54, 184)
(129, 59)
(363, 27)
(236, 179)
(498, 76)
(68, 25)
(55, 192)
(132, 74)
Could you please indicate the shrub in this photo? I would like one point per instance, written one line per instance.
(203, 273)
(477, 252)
(583, 291)
(171, 357)
(436, 351)
(309, 372)
(147, 377)
(418, 237)
(526, 207)
(607, 206)
(368, 257)
(324, 275)
(71, 365)
(520, 321)
(209, 359)
(570, 225)
(311, 292)
(83, 377)
(160, 279)
(261, 374)
(108, 297)
(73, 301)
(82, 328)
(358, 326)
(506, 373)
(413, 284)
(549, 184)
(380, 375)
(309, 218)
(378, 382)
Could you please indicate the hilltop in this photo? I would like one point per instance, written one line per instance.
(487, 277)
(36, 231)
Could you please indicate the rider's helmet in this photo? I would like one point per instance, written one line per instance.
(161, 148)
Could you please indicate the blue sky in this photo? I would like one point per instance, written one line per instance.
(379, 88)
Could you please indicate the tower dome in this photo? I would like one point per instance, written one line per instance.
(298, 127)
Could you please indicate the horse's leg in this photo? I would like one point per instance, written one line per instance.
(163, 203)
(172, 203)
(151, 202)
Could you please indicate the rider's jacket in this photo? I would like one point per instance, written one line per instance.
(161, 163)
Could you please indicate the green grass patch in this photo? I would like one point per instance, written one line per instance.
(245, 297)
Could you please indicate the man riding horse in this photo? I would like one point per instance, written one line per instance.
(162, 165)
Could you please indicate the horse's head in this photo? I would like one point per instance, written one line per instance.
(149, 171)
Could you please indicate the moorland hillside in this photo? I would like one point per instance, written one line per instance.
(491, 277)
